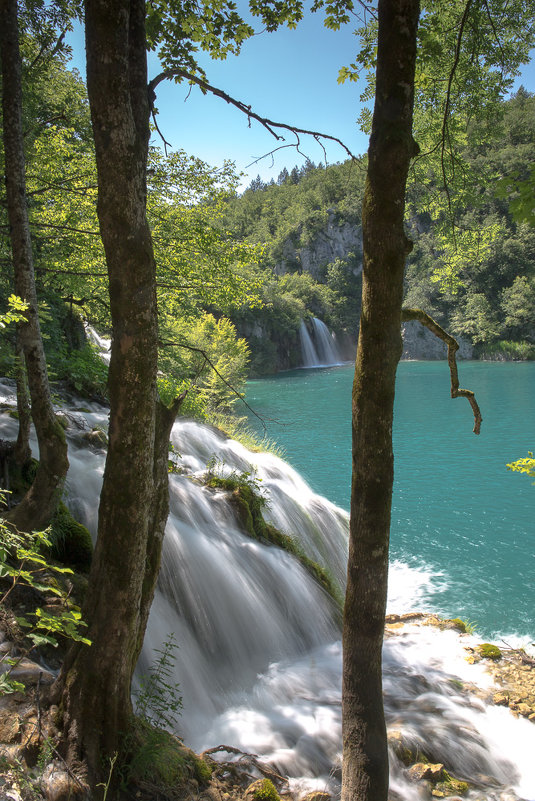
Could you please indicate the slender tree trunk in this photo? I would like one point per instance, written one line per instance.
(39, 504)
(365, 756)
(97, 679)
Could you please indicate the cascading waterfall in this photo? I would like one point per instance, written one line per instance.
(318, 350)
(325, 344)
(259, 659)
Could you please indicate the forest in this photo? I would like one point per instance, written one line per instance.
(105, 232)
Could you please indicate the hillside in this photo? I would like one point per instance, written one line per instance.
(472, 267)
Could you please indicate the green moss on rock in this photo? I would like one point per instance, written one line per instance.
(71, 541)
(489, 651)
(249, 503)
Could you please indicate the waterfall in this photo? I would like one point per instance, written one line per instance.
(325, 344)
(259, 659)
(318, 350)
(310, 356)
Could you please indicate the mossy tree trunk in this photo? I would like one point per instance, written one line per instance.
(365, 757)
(97, 680)
(40, 502)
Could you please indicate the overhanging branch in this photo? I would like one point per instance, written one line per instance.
(420, 316)
(268, 124)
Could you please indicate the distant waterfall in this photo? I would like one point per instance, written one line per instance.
(318, 350)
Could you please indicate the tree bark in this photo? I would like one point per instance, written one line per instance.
(97, 679)
(38, 505)
(365, 755)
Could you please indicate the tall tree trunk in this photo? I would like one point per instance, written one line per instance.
(365, 756)
(39, 503)
(97, 679)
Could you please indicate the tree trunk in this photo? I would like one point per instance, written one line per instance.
(365, 756)
(38, 505)
(97, 679)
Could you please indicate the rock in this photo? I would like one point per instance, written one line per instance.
(501, 698)
(96, 438)
(28, 672)
(317, 795)
(400, 747)
(58, 785)
(420, 343)
(423, 771)
(9, 726)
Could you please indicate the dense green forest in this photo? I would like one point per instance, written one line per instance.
(473, 271)
(239, 272)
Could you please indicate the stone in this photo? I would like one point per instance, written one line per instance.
(501, 698)
(423, 771)
(29, 672)
(317, 795)
(9, 726)
(58, 785)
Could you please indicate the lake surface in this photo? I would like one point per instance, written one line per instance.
(457, 511)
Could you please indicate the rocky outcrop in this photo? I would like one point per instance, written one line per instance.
(420, 343)
(336, 240)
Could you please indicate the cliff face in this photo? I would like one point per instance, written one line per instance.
(312, 253)
(420, 343)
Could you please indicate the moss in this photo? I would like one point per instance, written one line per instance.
(264, 790)
(71, 541)
(489, 651)
(248, 504)
(459, 624)
(155, 758)
(451, 786)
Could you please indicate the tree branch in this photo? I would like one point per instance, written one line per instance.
(453, 346)
(445, 132)
(216, 371)
(268, 124)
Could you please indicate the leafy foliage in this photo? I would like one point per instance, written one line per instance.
(524, 465)
(23, 565)
(159, 701)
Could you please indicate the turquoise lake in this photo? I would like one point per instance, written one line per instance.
(457, 511)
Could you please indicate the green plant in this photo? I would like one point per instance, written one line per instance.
(158, 701)
(464, 626)
(106, 786)
(23, 564)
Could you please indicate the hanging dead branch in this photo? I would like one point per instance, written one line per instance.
(453, 346)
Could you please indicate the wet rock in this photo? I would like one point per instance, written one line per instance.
(401, 748)
(501, 698)
(96, 438)
(423, 771)
(317, 795)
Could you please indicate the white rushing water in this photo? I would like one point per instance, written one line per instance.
(259, 659)
(320, 349)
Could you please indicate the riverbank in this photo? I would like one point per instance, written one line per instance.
(31, 768)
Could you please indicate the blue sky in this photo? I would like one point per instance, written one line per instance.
(289, 76)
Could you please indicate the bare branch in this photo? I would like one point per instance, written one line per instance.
(268, 124)
(453, 346)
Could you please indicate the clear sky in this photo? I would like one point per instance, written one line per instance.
(289, 76)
